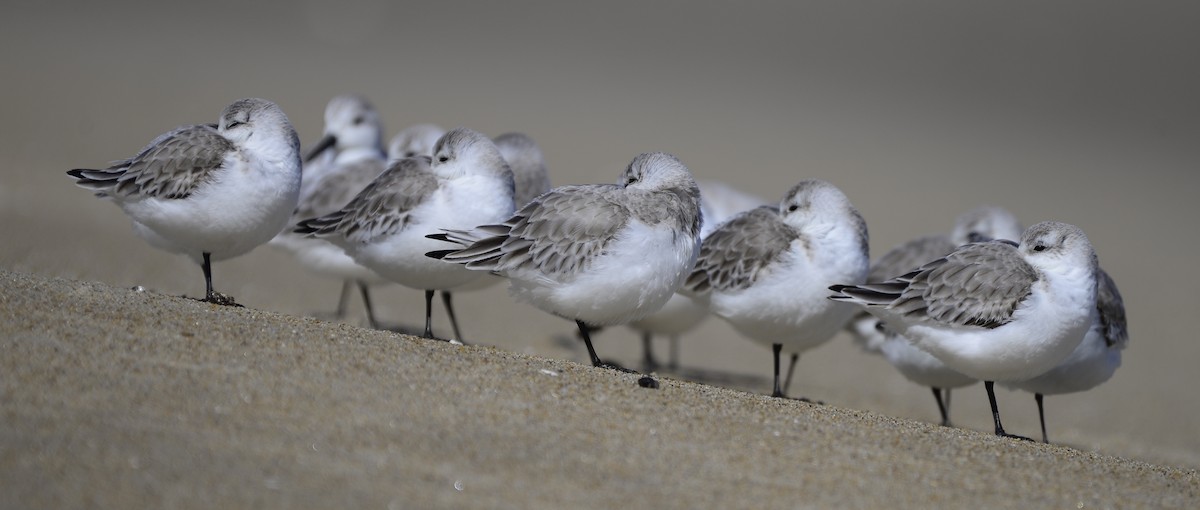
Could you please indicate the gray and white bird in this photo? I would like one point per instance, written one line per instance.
(599, 254)
(1096, 358)
(353, 134)
(384, 227)
(209, 191)
(766, 271)
(682, 313)
(413, 141)
(994, 311)
(979, 224)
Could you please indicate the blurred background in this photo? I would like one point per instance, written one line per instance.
(1084, 112)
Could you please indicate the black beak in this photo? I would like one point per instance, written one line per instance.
(326, 142)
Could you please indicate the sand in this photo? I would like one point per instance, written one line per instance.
(120, 398)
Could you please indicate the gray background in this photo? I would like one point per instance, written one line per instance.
(1084, 112)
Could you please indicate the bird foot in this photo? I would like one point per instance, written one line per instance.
(217, 298)
(614, 366)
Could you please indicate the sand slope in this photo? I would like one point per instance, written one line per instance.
(115, 398)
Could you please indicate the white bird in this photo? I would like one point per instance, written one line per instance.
(384, 227)
(1096, 358)
(353, 134)
(210, 192)
(530, 179)
(916, 365)
(413, 141)
(599, 254)
(682, 313)
(766, 270)
(994, 311)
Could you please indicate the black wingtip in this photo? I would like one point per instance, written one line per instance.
(839, 288)
(439, 237)
(439, 254)
(76, 173)
(305, 227)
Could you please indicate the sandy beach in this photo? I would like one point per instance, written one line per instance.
(116, 398)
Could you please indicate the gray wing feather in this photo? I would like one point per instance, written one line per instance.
(1112, 310)
(735, 255)
(337, 188)
(171, 166)
(560, 232)
(979, 284)
(382, 208)
(909, 256)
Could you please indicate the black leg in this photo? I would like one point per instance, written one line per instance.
(428, 314)
(988, 385)
(587, 340)
(211, 296)
(1041, 417)
(366, 297)
(787, 381)
(946, 394)
(450, 311)
(343, 300)
(775, 349)
(937, 395)
(207, 266)
(649, 364)
(596, 362)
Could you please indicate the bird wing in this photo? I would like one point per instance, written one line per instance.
(560, 232)
(384, 207)
(335, 189)
(171, 166)
(738, 253)
(908, 256)
(979, 284)
(1112, 310)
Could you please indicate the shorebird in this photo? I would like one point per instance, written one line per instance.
(209, 191)
(994, 311)
(466, 183)
(598, 254)
(766, 271)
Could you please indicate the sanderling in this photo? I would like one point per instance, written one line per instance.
(767, 270)
(682, 313)
(210, 192)
(530, 176)
(467, 183)
(916, 365)
(353, 135)
(599, 254)
(1096, 358)
(413, 141)
(530, 179)
(994, 311)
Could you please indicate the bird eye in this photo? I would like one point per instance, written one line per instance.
(632, 179)
(793, 208)
(233, 123)
(1039, 247)
(359, 120)
(443, 159)
(410, 154)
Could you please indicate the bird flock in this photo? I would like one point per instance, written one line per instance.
(455, 211)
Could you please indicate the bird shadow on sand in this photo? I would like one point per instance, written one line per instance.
(709, 376)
